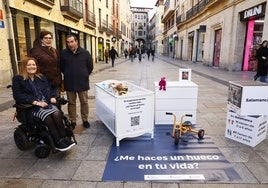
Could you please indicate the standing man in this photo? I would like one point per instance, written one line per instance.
(152, 52)
(132, 53)
(76, 66)
(148, 53)
(113, 53)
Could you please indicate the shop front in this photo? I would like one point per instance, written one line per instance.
(100, 49)
(254, 18)
(190, 45)
(27, 28)
(200, 43)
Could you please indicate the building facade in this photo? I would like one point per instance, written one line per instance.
(220, 33)
(156, 28)
(140, 25)
(170, 29)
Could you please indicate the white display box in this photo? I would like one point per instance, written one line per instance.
(248, 97)
(179, 98)
(128, 115)
(249, 130)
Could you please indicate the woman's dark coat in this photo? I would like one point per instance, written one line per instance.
(23, 92)
(262, 67)
(48, 62)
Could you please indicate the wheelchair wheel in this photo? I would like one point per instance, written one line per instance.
(42, 151)
(21, 139)
(176, 137)
(201, 133)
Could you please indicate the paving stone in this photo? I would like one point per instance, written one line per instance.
(52, 169)
(20, 183)
(68, 184)
(90, 171)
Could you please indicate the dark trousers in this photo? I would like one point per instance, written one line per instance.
(112, 62)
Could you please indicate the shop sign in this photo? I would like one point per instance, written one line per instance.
(1, 14)
(191, 34)
(202, 28)
(2, 24)
(114, 39)
(100, 39)
(74, 32)
(253, 12)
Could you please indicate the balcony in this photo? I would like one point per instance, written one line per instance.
(118, 34)
(47, 4)
(178, 19)
(103, 26)
(169, 9)
(201, 5)
(109, 30)
(72, 9)
(90, 19)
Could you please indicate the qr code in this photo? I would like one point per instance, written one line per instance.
(135, 120)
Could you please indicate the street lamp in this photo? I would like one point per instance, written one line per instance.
(113, 39)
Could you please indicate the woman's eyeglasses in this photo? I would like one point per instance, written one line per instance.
(47, 38)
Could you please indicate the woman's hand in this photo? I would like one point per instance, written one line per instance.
(53, 100)
(42, 104)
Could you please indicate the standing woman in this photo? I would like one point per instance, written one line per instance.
(48, 61)
(262, 56)
(31, 87)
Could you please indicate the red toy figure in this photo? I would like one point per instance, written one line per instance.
(162, 84)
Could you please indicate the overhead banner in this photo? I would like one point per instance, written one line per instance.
(159, 159)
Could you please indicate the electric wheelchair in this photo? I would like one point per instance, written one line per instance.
(32, 132)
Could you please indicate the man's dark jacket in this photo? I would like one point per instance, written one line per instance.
(113, 53)
(76, 68)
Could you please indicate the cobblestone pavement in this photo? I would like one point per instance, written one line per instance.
(84, 164)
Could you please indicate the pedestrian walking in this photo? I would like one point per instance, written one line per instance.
(76, 66)
(139, 54)
(126, 53)
(106, 54)
(113, 53)
(48, 61)
(131, 53)
(152, 53)
(148, 53)
(262, 56)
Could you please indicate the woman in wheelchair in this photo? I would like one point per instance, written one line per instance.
(31, 87)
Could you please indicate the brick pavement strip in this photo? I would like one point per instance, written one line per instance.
(83, 165)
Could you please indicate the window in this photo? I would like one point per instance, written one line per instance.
(99, 16)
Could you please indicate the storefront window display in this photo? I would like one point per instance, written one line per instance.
(49, 26)
(254, 19)
(253, 40)
(26, 32)
(23, 22)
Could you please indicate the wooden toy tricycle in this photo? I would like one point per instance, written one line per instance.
(181, 128)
